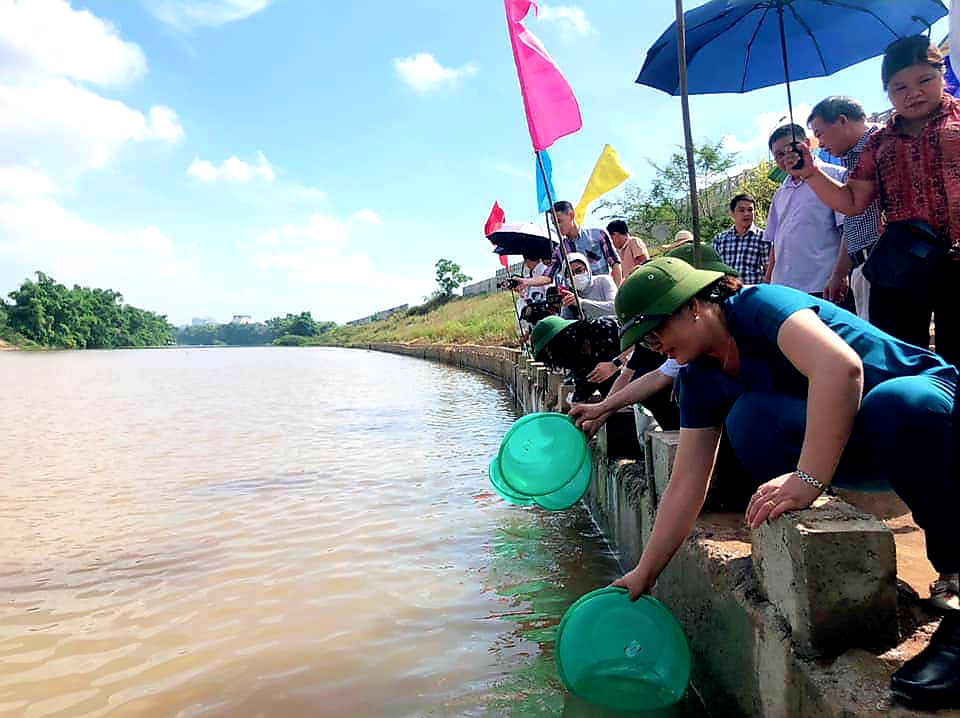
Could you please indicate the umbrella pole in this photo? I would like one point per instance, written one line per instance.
(786, 77)
(687, 132)
(516, 313)
(563, 250)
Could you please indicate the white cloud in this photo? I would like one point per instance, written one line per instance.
(49, 38)
(18, 182)
(68, 129)
(367, 215)
(765, 123)
(36, 232)
(190, 14)
(316, 262)
(571, 20)
(164, 124)
(232, 169)
(423, 73)
(311, 194)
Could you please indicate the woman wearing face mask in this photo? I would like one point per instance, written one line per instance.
(913, 167)
(597, 292)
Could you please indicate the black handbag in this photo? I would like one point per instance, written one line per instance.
(907, 258)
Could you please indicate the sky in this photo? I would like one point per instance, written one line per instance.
(216, 157)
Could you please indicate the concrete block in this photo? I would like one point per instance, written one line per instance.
(830, 571)
(631, 486)
(663, 451)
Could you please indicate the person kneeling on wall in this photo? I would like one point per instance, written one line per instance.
(758, 362)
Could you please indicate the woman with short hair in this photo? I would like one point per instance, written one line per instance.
(913, 167)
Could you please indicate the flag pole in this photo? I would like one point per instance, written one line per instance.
(687, 132)
(563, 250)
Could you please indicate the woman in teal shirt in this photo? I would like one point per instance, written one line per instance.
(810, 395)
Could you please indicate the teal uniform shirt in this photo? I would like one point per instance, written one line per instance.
(754, 316)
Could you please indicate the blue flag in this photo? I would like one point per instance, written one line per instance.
(543, 201)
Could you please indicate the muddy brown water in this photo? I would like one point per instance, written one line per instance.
(273, 532)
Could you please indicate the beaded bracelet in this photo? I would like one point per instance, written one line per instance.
(804, 476)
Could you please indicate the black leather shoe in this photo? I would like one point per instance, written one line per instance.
(931, 679)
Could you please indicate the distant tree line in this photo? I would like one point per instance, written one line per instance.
(52, 315)
(292, 329)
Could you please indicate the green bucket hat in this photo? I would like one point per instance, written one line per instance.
(545, 330)
(709, 259)
(655, 290)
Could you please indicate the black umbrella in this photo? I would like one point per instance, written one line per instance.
(529, 240)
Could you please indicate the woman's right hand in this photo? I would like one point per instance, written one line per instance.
(637, 582)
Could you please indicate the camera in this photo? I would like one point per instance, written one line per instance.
(534, 311)
(510, 283)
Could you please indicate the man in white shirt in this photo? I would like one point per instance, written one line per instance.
(806, 235)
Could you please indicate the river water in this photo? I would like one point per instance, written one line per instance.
(273, 532)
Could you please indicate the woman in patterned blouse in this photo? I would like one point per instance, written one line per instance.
(913, 166)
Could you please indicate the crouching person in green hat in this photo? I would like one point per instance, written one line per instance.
(578, 346)
(809, 395)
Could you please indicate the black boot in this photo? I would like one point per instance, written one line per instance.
(931, 679)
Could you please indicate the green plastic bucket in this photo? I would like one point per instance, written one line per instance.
(622, 654)
(505, 493)
(569, 494)
(541, 453)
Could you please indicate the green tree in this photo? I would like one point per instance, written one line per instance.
(664, 208)
(449, 277)
(757, 184)
(48, 313)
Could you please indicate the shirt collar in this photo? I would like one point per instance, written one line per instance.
(861, 143)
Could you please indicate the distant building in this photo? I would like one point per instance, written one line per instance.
(202, 321)
(377, 316)
(241, 319)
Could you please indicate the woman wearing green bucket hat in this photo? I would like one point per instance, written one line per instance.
(809, 394)
(578, 345)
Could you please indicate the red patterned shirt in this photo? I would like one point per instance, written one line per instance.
(918, 177)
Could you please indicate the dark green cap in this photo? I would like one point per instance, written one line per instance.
(661, 286)
(709, 259)
(544, 331)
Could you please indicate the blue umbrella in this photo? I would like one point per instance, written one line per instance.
(743, 45)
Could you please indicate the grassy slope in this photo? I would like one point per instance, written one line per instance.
(488, 319)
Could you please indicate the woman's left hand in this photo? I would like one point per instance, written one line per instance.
(601, 372)
(784, 493)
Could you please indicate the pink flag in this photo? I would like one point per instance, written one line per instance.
(552, 110)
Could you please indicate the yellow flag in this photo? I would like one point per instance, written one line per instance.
(607, 174)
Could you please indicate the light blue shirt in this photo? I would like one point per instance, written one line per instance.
(805, 233)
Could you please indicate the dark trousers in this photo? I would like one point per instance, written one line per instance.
(901, 439)
(909, 320)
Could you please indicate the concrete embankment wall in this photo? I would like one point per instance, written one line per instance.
(798, 618)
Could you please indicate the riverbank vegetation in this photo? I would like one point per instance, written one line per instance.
(291, 330)
(488, 319)
(45, 313)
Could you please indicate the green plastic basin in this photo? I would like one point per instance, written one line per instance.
(505, 492)
(622, 654)
(570, 493)
(541, 453)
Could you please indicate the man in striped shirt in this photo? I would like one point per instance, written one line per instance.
(743, 246)
(840, 125)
